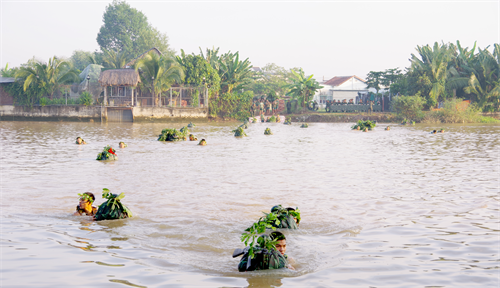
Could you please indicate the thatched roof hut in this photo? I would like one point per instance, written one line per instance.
(131, 63)
(119, 77)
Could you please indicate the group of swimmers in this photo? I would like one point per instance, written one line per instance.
(80, 141)
(269, 253)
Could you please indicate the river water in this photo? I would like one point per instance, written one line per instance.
(398, 208)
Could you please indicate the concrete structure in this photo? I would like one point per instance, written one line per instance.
(100, 113)
(340, 88)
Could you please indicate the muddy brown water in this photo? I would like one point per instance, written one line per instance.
(398, 208)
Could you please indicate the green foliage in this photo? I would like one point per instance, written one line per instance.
(107, 153)
(81, 59)
(271, 119)
(86, 197)
(239, 132)
(45, 79)
(164, 71)
(303, 88)
(234, 73)
(191, 125)
(305, 125)
(112, 208)
(43, 101)
(270, 220)
(127, 30)
(173, 134)
(232, 105)
(362, 124)
(408, 106)
(86, 99)
(254, 120)
(288, 121)
(278, 218)
(452, 113)
(268, 132)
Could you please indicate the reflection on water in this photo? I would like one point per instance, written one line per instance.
(385, 208)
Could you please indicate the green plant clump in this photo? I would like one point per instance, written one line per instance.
(191, 125)
(361, 125)
(288, 121)
(112, 208)
(271, 119)
(278, 218)
(305, 125)
(86, 99)
(268, 132)
(239, 132)
(173, 134)
(254, 120)
(107, 153)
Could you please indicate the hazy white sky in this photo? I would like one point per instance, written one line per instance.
(325, 38)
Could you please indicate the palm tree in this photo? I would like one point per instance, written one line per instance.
(163, 71)
(114, 59)
(303, 88)
(484, 81)
(47, 77)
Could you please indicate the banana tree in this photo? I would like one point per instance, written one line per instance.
(303, 87)
(433, 64)
(484, 82)
(234, 74)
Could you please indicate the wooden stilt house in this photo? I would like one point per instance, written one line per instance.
(119, 86)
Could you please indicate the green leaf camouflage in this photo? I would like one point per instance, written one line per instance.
(112, 208)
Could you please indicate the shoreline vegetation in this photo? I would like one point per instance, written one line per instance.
(439, 79)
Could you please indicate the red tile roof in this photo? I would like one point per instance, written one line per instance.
(339, 80)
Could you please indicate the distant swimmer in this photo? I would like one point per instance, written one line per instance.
(122, 145)
(433, 131)
(192, 138)
(80, 141)
(202, 142)
(441, 131)
(85, 208)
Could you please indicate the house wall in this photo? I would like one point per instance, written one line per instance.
(352, 84)
(5, 98)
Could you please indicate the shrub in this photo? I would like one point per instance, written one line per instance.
(86, 99)
(409, 107)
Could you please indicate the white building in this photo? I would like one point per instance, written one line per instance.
(342, 87)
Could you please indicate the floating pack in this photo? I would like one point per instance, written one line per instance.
(112, 208)
(263, 259)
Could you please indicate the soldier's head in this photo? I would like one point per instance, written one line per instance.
(281, 244)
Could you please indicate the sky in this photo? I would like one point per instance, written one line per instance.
(325, 38)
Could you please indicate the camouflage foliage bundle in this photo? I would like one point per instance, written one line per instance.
(112, 208)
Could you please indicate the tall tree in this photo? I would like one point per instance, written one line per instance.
(375, 79)
(126, 29)
(433, 63)
(234, 73)
(484, 82)
(303, 87)
(81, 59)
(160, 71)
(114, 59)
(47, 77)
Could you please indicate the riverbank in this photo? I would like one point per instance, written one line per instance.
(381, 117)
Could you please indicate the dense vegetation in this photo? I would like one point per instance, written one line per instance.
(437, 76)
(442, 73)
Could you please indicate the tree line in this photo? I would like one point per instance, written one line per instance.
(446, 71)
